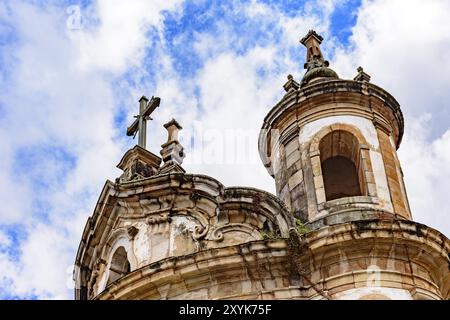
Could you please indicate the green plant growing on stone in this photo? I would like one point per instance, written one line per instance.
(269, 235)
(301, 227)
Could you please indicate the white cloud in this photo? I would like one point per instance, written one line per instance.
(120, 40)
(13, 205)
(403, 51)
(427, 174)
(256, 8)
(43, 266)
(234, 106)
(57, 104)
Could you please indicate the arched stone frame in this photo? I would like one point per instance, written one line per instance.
(364, 153)
(374, 296)
(374, 293)
(118, 238)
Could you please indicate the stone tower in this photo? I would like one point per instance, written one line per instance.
(340, 226)
(331, 146)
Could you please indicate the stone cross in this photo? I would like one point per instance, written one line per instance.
(140, 124)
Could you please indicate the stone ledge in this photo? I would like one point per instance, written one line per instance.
(348, 200)
(352, 214)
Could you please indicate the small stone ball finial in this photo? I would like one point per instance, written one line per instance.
(291, 84)
(361, 76)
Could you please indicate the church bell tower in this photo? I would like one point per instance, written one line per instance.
(331, 146)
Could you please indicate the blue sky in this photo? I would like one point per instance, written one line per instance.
(71, 73)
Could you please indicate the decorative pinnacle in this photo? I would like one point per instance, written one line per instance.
(314, 57)
(172, 151)
(173, 128)
(173, 122)
(291, 84)
(361, 76)
(316, 65)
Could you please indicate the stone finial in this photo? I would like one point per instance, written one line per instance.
(362, 76)
(172, 151)
(291, 84)
(173, 128)
(314, 57)
(316, 66)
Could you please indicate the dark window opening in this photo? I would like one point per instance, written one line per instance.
(340, 178)
(342, 169)
(119, 266)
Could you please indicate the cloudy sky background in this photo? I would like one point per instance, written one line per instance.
(71, 74)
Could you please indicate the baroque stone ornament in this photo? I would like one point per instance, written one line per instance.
(172, 151)
(216, 234)
(199, 232)
(362, 76)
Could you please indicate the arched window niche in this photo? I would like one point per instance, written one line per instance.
(341, 166)
(118, 259)
(119, 266)
(340, 159)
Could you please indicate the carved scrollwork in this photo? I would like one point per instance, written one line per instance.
(217, 233)
(199, 232)
(202, 227)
